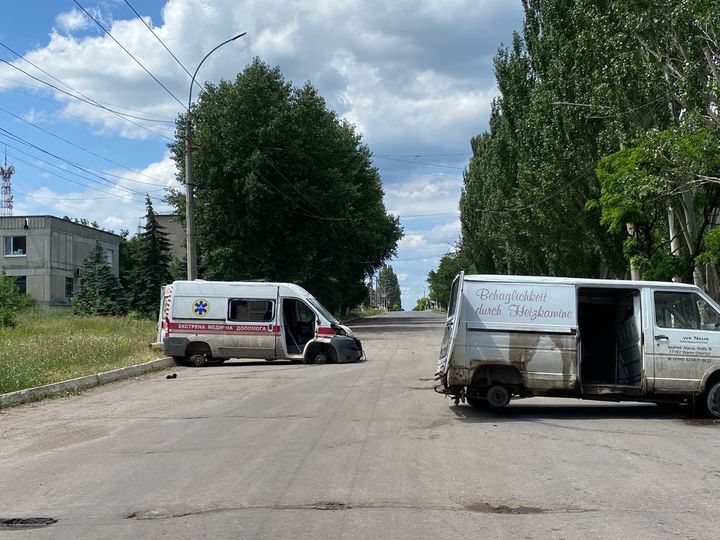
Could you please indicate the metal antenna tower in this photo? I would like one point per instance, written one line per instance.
(6, 191)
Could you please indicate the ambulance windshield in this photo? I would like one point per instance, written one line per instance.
(324, 312)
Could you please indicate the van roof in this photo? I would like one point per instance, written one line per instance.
(205, 285)
(619, 283)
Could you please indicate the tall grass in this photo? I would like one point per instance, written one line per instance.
(49, 346)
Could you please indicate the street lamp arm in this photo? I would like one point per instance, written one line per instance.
(192, 82)
(189, 198)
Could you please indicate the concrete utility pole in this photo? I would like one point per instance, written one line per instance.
(189, 195)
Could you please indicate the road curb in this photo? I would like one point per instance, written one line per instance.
(81, 383)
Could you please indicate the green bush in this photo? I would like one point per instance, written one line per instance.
(11, 301)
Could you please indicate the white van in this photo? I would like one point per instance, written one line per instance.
(217, 320)
(524, 336)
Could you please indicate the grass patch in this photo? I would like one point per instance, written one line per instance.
(50, 346)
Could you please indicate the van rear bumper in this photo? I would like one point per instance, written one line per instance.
(175, 346)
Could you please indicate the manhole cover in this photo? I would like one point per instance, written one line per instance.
(26, 523)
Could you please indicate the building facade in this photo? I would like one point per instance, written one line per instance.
(46, 254)
(175, 231)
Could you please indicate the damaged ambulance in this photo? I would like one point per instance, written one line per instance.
(215, 320)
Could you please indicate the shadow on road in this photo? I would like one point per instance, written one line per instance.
(527, 412)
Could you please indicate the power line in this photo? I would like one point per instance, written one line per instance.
(130, 54)
(162, 43)
(65, 178)
(85, 150)
(422, 163)
(89, 102)
(88, 98)
(68, 162)
(422, 155)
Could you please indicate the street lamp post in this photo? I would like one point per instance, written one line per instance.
(189, 196)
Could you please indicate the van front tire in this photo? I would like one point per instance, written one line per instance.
(712, 400)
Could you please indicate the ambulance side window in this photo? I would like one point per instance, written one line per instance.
(685, 310)
(251, 310)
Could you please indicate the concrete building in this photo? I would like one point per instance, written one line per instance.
(46, 255)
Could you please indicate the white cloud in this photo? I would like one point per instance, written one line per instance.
(72, 20)
(424, 196)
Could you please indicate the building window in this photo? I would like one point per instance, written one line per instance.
(240, 309)
(14, 246)
(109, 256)
(68, 287)
(21, 283)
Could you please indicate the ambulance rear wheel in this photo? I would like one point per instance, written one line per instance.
(198, 360)
(498, 396)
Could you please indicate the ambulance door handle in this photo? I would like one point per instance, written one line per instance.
(661, 338)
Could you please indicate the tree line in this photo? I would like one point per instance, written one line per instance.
(285, 190)
(602, 157)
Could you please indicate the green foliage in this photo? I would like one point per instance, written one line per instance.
(101, 293)
(389, 288)
(285, 190)
(421, 304)
(628, 90)
(11, 300)
(151, 266)
(440, 280)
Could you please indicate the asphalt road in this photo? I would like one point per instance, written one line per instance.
(368, 450)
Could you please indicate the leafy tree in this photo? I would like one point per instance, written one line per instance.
(285, 190)
(658, 190)
(440, 280)
(389, 288)
(151, 269)
(101, 292)
(631, 82)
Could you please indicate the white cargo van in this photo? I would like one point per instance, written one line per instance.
(519, 336)
(217, 320)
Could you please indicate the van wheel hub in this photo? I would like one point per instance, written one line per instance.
(498, 396)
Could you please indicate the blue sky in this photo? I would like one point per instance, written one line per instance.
(415, 77)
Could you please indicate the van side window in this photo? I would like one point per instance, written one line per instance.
(250, 310)
(684, 310)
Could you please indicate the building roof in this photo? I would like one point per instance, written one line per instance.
(63, 219)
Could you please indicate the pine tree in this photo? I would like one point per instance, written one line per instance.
(101, 292)
(151, 265)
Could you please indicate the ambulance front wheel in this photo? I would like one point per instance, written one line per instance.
(498, 396)
(199, 360)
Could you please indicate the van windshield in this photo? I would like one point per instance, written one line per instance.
(324, 312)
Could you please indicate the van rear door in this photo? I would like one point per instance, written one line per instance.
(451, 327)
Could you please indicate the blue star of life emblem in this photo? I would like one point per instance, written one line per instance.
(201, 307)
